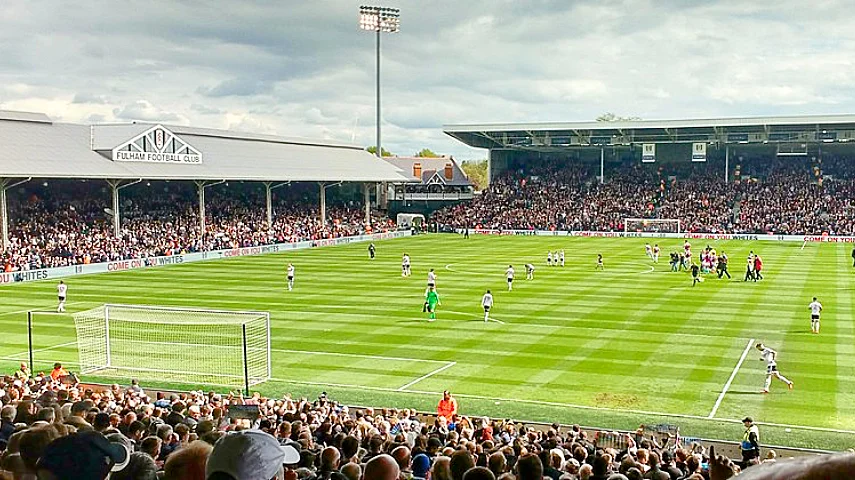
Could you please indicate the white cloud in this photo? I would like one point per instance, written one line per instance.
(145, 111)
(305, 69)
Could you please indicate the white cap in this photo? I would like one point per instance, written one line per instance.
(250, 455)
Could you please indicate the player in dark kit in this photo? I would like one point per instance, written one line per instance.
(696, 271)
(371, 250)
(722, 265)
(675, 259)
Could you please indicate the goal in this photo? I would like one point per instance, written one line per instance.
(177, 345)
(653, 225)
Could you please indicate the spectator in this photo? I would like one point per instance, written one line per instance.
(188, 463)
(140, 467)
(78, 411)
(381, 467)
(479, 473)
(461, 462)
(421, 467)
(441, 469)
(529, 467)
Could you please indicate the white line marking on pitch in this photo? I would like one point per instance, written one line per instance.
(41, 310)
(730, 380)
(25, 354)
(446, 367)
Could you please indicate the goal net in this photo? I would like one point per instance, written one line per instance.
(653, 225)
(179, 345)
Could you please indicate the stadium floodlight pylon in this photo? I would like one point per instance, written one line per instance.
(178, 345)
(652, 225)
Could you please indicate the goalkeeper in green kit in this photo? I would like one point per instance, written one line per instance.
(431, 301)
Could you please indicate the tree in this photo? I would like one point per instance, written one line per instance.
(373, 150)
(476, 170)
(611, 117)
(427, 153)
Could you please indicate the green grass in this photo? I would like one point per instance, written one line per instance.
(634, 344)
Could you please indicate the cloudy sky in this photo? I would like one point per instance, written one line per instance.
(303, 68)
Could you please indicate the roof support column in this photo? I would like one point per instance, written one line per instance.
(323, 204)
(602, 163)
(4, 215)
(726, 163)
(5, 186)
(201, 185)
(367, 194)
(268, 195)
(115, 186)
(489, 167)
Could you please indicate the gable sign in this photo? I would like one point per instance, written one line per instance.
(157, 145)
(436, 179)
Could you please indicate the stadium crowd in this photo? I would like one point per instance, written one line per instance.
(69, 226)
(781, 196)
(54, 429)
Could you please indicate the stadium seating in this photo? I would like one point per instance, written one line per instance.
(175, 433)
(781, 196)
(67, 225)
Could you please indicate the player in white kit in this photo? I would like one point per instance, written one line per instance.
(769, 356)
(509, 273)
(61, 290)
(648, 251)
(405, 266)
(561, 258)
(431, 280)
(815, 307)
(529, 271)
(549, 258)
(290, 276)
(656, 253)
(487, 303)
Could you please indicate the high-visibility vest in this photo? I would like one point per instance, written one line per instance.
(746, 442)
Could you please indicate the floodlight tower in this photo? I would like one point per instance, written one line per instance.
(380, 20)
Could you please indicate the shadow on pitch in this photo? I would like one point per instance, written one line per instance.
(799, 331)
(745, 392)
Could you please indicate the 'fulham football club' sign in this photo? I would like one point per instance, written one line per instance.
(157, 145)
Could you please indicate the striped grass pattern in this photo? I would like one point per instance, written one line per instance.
(635, 343)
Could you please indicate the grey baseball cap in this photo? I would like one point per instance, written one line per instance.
(250, 455)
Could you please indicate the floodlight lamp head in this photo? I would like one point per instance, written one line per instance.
(379, 19)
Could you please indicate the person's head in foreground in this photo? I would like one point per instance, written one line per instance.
(86, 455)
(249, 455)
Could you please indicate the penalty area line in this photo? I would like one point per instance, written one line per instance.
(427, 375)
(730, 380)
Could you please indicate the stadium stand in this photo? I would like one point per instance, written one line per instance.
(66, 224)
(778, 196)
(46, 425)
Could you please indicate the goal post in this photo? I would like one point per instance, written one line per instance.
(179, 345)
(653, 225)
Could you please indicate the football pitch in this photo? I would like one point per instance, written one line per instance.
(633, 344)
